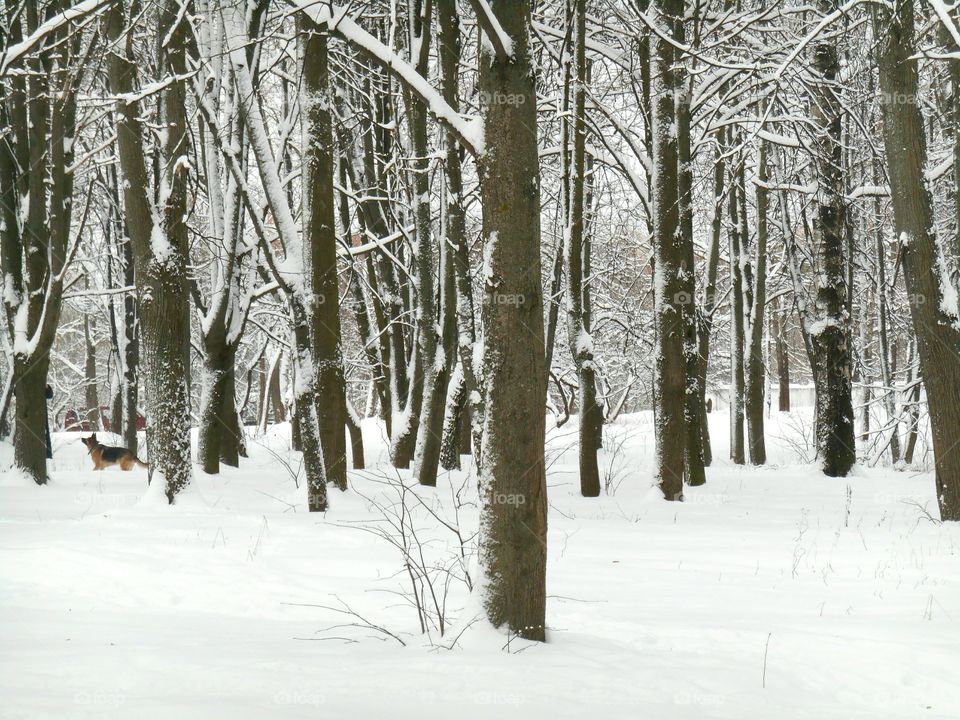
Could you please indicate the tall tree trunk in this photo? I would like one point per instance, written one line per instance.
(512, 470)
(218, 401)
(783, 357)
(694, 410)
(320, 244)
(305, 430)
(38, 106)
(468, 412)
(737, 318)
(161, 276)
(830, 335)
(581, 343)
(938, 339)
(756, 372)
(673, 286)
(426, 425)
(709, 304)
(91, 400)
(233, 445)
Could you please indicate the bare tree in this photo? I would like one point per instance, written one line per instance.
(158, 234)
(938, 339)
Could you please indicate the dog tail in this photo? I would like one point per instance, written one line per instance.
(141, 463)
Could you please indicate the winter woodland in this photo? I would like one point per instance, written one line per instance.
(540, 357)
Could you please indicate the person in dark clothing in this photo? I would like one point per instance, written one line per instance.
(49, 395)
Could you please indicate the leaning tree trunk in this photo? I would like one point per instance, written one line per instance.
(320, 244)
(938, 339)
(830, 336)
(512, 470)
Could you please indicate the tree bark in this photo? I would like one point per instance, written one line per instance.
(755, 373)
(38, 107)
(783, 358)
(830, 334)
(673, 286)
(512, 470)
(320, 245)
(581, 343)
(161, 276)
(938, 339)
(737, 317)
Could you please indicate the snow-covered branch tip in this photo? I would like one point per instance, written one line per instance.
(468, 130)
(493, 31)
(76, 12)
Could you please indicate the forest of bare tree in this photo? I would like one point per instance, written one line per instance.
(417, 242)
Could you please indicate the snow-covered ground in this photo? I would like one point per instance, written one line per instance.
(770, 593)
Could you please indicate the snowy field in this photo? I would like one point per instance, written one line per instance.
(771, 593)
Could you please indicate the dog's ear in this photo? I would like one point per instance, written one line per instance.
(93, 437)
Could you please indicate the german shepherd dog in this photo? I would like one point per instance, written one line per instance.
(104, 456)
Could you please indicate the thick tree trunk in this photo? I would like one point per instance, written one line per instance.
(233, 444)
(830, 335)
(694, 409)
(30, 418)
(513, 522)
(216, 437)
(38, 106)
(938, 339)
(161, 278)
(673, 279)
(320, 245)
(131, 353)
